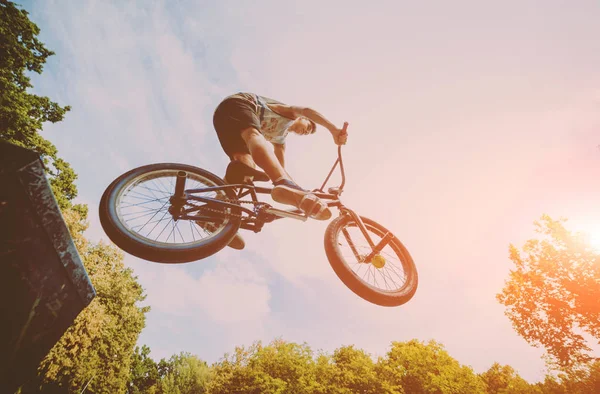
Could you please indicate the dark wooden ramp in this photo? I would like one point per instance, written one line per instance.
(43, 284)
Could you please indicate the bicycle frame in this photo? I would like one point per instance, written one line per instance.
(261, 212)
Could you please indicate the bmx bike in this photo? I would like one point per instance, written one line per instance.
(177, 213)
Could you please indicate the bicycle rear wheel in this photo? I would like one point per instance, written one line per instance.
(389, 278)
(134, 212)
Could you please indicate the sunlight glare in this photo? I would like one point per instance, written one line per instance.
(591, 234)
(594, 240)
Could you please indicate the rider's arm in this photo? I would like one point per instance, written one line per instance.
(292, 112)
(279, 153)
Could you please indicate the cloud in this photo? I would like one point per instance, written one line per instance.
(231, 292)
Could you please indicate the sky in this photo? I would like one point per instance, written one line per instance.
(468, 121)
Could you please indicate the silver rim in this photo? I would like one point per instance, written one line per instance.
(142, 204)
(391, 278)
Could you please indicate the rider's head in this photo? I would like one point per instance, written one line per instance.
(303, 126)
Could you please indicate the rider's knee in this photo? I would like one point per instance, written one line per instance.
(244, 157)
(250, 134)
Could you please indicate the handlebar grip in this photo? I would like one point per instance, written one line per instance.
(344, 129)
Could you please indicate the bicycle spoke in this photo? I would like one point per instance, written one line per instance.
(155, 221)
(179, 231)
(156, 214)
(164, 228)
(393, 269)
(163, 188)
(374, 278)
(367, 274)
(142, 185)
(192, 230)
(383, 272)
(198, 231)
(143, 197)
(382, 276)
(142, 215)
(360, 266)
(139, 211)
(150, 190)
(386, 272)
(141, 203)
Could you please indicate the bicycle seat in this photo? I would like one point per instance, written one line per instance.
(238, 172)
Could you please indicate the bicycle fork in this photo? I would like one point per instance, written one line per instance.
(375, 249)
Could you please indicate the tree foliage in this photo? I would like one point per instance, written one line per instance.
(348, 370)
(420, 368)
(552, 297)
(579, 381)
(283, 367)
(505, 380)
(279, 367)
(22, 114)
(144, 375)
(185, 373)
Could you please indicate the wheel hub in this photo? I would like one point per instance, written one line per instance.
(378, 261)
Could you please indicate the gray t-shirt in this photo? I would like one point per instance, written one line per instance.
(272, 125)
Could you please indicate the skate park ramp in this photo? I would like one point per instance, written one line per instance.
(43, 283)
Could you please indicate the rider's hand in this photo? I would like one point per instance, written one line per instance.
(340, 136)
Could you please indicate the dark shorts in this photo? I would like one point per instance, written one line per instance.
(234, 114)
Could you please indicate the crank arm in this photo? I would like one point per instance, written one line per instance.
(286, 214)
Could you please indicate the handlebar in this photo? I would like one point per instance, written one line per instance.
(339, 160)
(345, 128)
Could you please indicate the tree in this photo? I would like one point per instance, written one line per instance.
(578, 381)
(348, 371)
(417, 368)
(552, 296)
(144, 376)
(22, 114)
(185, 374)
(280, 367)
(504, 380)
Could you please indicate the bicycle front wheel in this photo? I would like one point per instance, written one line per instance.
(386, 278)
(135, 214)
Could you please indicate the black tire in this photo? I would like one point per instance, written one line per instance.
(344, 270)
(125, 237)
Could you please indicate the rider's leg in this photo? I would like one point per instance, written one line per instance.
(285, 191)
(261, 153)
(245, 158)
(233, 113)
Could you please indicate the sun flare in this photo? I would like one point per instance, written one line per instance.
(591, 235)
(594, 240)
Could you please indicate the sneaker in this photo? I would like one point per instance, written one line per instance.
(288, 192)
(237, 242)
